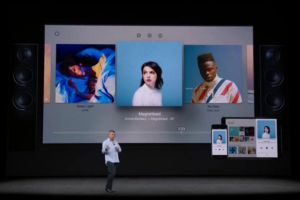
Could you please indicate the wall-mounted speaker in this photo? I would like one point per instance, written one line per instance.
(22, 107)
(272, 82)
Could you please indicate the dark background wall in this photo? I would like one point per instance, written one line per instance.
(23, 154)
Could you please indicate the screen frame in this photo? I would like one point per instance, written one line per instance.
(254, 104)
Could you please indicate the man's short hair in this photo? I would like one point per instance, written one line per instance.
(112, 131)
(204, 58)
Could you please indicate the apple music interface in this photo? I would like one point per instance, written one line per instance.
(252, 137)
(151, 84)
(219, 142)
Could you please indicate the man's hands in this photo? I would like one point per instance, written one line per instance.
(117, 148)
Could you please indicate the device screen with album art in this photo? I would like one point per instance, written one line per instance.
(219, 144)
(152, 84)
(252, 137)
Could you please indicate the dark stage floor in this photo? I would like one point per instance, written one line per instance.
(206, 186)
